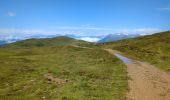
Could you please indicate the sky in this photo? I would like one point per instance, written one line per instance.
(83, 17)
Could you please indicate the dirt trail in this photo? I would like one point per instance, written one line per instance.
(146, 81)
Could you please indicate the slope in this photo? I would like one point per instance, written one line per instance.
(57, 41)
(152, 48)
(57, 70)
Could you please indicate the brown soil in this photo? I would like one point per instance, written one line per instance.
(51, 78)
(146, 81)
(81, 47)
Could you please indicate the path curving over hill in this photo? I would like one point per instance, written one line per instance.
(146, 81)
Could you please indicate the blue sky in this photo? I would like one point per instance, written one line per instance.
(83, 17)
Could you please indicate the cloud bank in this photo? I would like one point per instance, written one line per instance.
(77, 31)
(86, 34)
(11, 14)
(90, 34)
(89, 39)
(164, 9)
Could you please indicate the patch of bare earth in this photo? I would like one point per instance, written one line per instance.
(51, 78)
(147, 82)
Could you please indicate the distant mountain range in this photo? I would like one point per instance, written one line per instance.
(102, 38)
(118, 36)
(2, 42)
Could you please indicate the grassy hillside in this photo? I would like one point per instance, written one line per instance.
(60, 72)
(153, 48)
(57, 41)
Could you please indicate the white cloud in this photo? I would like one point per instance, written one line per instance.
(84, 28)
(140, 30)
(89, 39)
(23, 31)
(11, 14)
(78, 32)
(86, 34)
(165, 8)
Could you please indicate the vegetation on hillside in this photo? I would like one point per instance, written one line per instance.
(53, 71)
(152, 48)
(57, 41)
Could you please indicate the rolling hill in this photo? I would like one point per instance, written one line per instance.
(49, 69)
(152, 48)
(57, 41)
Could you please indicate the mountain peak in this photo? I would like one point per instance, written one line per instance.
(117, 36)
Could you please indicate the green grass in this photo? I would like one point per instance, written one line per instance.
(92, 74)
(57, 41)
(154, 49)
